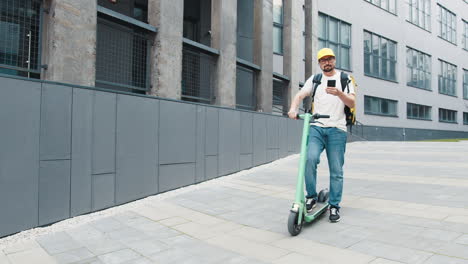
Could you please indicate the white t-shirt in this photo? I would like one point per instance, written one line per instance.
(328, 104)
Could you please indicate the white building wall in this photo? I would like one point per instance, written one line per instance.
(365, 16)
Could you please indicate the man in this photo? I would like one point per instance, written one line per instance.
(330, 134)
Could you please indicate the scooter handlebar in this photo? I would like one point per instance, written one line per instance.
(315, 116)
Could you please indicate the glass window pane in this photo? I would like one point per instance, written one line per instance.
(392, 6)
(408, 76)
(367, 63)
(333, 47)
(322, 44)
(392, 50)
(384, 4)
(375, 66)
(414, 15)
(375, 45)
(333, 27)
(392, 71)
(277, 40)
(367, 42)
(384, 68)
(383, 48)
(344, 54)
(345, 34)
(408, 57)
(322, 27)
(384, 107)
(278, 11)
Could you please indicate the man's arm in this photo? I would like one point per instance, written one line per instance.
(294, 109)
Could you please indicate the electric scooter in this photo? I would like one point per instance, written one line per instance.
(298, 213)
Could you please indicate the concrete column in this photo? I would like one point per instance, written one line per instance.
(69, 41)
(166, 53)
(311, 25)
(224, 38)
(263, 53)
(292, 36)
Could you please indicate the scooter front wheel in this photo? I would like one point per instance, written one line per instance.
(293, 227)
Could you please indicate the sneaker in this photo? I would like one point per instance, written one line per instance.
(334, 214)
(310, 204)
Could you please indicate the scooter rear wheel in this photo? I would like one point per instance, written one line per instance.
(293, 227)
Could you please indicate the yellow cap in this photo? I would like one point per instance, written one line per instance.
(325, 52)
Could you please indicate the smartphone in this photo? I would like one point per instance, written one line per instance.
(331, 83)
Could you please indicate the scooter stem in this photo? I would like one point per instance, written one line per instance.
(300, 200)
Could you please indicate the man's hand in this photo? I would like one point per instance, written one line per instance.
(292, 114)
(333, 91)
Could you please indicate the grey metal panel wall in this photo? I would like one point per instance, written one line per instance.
(259, 139)
(88, 150)
(55, 153)
(294, 135)
(283, 138)
(211, 142)
(103, 191)
(246, 138)
(272, 138)
(19, 154)
(54, 191)
(212, 131)
(177, 133)
(81, 181)
(56, 105)
(172, 176)
(200, 147)
(229, 141)
(104, 118)
(211, 167)
(137, 147)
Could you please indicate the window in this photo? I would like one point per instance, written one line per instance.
(245, 29)
(465, 118)
(278, 27)
(380, 56)
(380, 106)
(336, 35)
(20, 30)
(447, 116)
(416, 111)
(447, 78)
(418, 69)
(465, 35)
(245, 88)
(197, 21)
(465, 84)
(125, 45)
(279, 88)
(447, 25)
(420, 13)
(389, 5)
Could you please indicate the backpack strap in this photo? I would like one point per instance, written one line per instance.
(344, 81)
(316, 81)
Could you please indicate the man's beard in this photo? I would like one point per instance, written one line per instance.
(328, 68)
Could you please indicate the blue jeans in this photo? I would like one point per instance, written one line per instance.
(333, 140)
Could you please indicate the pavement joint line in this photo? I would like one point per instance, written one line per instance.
(395, 207)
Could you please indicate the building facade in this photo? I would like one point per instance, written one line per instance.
(410, 58)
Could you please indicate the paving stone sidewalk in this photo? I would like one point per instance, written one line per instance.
(404, 202)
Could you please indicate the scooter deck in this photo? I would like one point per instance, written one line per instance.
(316, 212)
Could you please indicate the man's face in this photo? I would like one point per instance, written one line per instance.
(327, 64)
